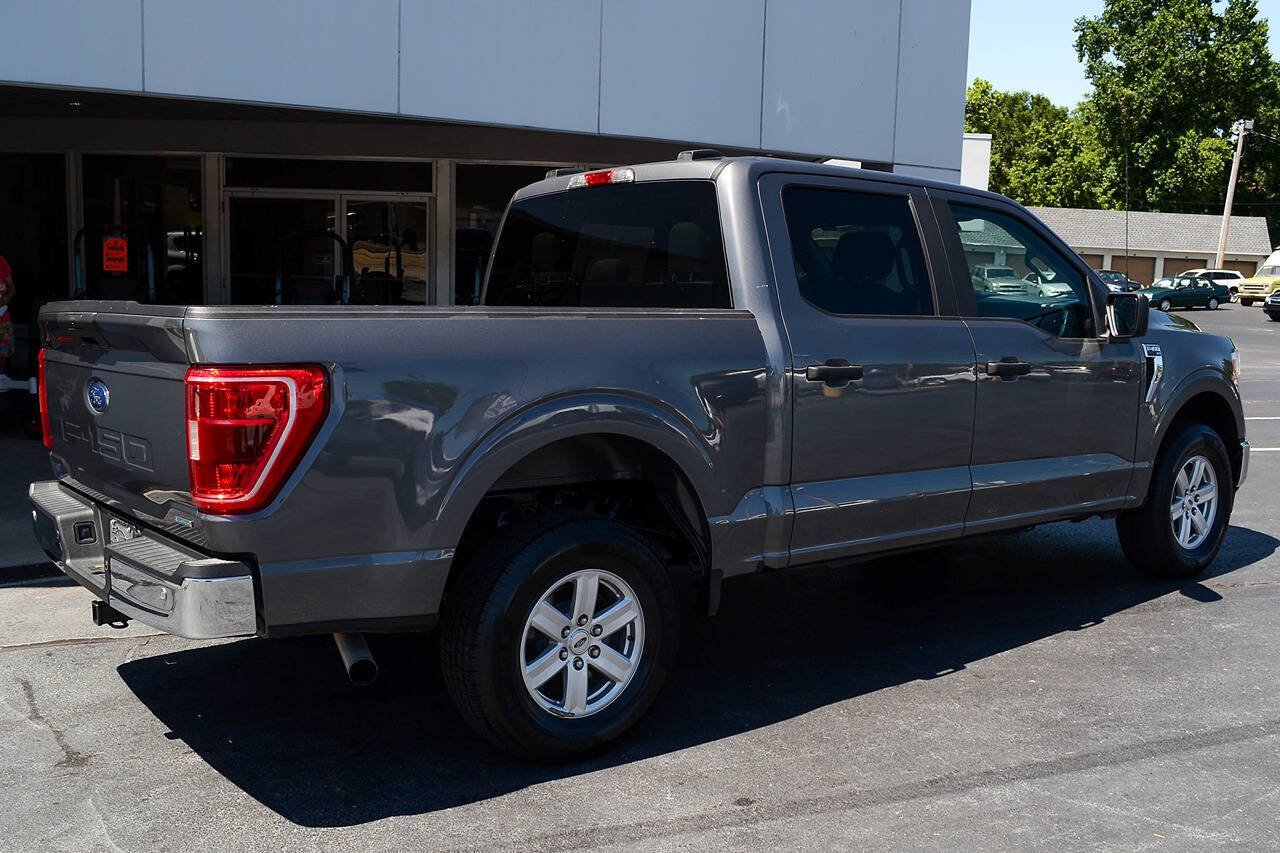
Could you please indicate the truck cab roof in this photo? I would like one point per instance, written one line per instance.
(711, 168)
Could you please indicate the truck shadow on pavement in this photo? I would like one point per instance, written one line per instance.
(279, 720)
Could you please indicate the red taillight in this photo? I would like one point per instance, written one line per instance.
(45, 433)
(247, 427)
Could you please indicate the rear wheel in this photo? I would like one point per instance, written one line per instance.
(1275, 318)
(559, 635)
(1179, 530)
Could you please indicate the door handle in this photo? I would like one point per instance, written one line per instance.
(1008, 366)
(835, 370)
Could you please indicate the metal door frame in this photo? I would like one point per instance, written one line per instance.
(339, 199)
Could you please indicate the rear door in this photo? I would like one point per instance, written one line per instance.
(881, 367)
(114, 377)
(1057, 402)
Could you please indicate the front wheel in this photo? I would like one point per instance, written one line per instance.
(1213, 304)
(559, 635)
(1165, 305)
(1179, 530)
(1246, 302)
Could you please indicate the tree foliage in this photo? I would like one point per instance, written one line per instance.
(1040, 153)
(1169, 77)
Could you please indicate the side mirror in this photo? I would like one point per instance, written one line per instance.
(1128, 315)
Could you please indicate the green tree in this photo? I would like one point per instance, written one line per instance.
(1170, 77)
(1041, 153)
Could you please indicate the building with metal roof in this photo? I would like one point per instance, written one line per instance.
(1147, 246)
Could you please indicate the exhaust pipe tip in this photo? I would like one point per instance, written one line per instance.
(363, 672)
(361, 667)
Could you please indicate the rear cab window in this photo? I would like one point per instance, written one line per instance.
(857, 253)
(636, 245)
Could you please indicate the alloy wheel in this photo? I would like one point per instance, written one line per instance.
(1195, 503)
(582, 643)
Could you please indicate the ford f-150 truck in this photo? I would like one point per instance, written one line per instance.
(679, 373)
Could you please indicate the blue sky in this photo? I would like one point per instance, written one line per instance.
(1029, 44)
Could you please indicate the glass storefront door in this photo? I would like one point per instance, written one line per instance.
(283, 250)
(387, 247)
(308, 230)
(322, 249)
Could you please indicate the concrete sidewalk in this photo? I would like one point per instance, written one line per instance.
(21, 461)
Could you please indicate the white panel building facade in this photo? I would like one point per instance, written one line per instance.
(223, 140)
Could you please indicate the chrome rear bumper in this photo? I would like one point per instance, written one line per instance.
(148, 577)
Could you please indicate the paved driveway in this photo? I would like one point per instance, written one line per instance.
(1026, 692)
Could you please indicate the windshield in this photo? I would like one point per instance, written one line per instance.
(646, 245)
(1272, 269)
(1001, 272)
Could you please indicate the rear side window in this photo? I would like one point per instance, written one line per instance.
(644, 245)
(857, 253)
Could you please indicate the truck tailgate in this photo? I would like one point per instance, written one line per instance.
(114, 377)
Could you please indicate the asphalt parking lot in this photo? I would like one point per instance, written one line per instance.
(1031, 691)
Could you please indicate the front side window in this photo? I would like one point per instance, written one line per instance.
(1047, 291)
(642, 245)
(857, 253)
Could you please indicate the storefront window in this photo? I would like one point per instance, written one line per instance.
(33, 239)
(144, 229)
(482, 192)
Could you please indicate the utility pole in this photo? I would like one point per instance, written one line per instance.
(1241, 129)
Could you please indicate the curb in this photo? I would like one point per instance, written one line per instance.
(31, 571)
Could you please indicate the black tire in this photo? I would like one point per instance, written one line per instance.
(1275, 318)
(1165, 305)
(485, 615)
(1213, 304)
(1246, 302)
(1146, 534)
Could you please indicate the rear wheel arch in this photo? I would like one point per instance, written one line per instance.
(606, 474)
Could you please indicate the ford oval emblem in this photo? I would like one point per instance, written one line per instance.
(98, 395)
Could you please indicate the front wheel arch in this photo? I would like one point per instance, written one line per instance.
(1211, 409)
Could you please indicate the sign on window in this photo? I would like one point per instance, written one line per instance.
(115, 253)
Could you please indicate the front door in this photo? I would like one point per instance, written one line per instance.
(882, 382)
(1057, 402)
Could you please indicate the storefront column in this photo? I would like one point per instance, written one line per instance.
(215, 286)
(75, 217)
(444, 236)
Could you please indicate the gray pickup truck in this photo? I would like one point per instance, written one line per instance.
(679, 372)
